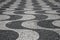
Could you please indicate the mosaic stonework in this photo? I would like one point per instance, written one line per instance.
(29, 19)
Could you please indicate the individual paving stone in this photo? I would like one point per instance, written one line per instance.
(47, 35)
(8, 35)
(47, 24)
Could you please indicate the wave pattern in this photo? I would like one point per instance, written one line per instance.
(29, 20)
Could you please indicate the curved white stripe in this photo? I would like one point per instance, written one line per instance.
(27, 35)
(56, 23)
(3, 17)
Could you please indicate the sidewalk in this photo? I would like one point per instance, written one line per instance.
(29, 20)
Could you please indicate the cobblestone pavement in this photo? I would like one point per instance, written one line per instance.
(29, 19)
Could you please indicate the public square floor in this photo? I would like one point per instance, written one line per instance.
(29, 19)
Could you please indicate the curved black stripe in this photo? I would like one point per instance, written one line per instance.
(47, 35)
(8, 35)
(13, 17)
(7, 5)
(47, 24)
